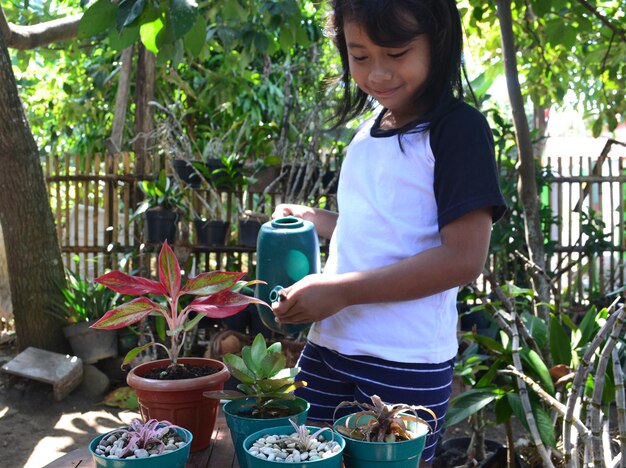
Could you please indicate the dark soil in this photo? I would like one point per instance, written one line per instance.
(269, 413)
(179, 371)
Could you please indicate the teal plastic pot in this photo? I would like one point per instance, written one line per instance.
(242, 426)
(175, 459)
(287, 251)
(255, 462)
(362, 454)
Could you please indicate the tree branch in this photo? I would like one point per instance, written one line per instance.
(603, 19)
(37, 35)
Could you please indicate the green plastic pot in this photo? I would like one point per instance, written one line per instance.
(175, 459)
(255, 462)
(287, 251)
(241, 427)
(363, 454)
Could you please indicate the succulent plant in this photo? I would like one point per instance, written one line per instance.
(381, 422)
(262, 373)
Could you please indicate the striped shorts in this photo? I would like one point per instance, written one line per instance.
(332, 378)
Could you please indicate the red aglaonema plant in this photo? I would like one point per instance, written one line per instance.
(216, 291)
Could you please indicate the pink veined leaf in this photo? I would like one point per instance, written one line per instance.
(169, 270)
(132, 285)
(211, 282)
(127, 314)
(223, 304)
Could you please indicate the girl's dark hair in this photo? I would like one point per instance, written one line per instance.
(394, 23)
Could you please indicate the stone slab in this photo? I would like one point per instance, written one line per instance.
(62, 371)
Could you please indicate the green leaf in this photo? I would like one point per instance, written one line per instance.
(128, 11)
(237, 368)
(148, 33)
(468, 403)
(286, 39)
(536, 364)
(545, 426)
(503, 411)
(271, 364)
(233, 10)
(597, 127)
(276, 347)
(183, 14)
(560, 345)
(190, 324)
(588, 327)
(121, 40)
(98, 18)
(247, 389)
(161, 326)
(134, 352)
(540, 7)
(537, 328)
(194, 40)
(516, 406)
(489, 343)
(258, 349)
(260, 42)
(246, 355)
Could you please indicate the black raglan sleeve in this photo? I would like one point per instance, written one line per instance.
(466, 176)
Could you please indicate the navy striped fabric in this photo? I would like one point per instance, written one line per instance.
(333, 378)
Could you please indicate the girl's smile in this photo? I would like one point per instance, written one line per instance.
(391, 75)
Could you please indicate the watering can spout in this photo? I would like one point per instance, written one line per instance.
(276, 295)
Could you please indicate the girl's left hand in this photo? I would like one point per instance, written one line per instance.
(311, 299)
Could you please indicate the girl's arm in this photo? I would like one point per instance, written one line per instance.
(457, 261)
(324, 220)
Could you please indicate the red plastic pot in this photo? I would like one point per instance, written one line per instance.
(181, 401)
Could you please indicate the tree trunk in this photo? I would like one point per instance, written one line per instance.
(527, 186)
(114, 143)
(33, 256)
(144, 112)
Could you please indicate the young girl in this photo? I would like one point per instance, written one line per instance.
(417, 195)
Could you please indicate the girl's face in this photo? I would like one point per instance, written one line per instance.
(391, 75)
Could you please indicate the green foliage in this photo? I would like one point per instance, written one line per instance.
(559, 344)
(569, 52)
(262, 375)
(162, 193)
(84, 300)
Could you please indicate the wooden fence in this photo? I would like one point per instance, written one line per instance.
(93, 199)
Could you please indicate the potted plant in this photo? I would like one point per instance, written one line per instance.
(83, 303)
(150, 444)
(300, 444)
(208, 217)
(189, 172)
(264, 397)
(172, 388)
(397, 426)
(163, 207)
(249, 225)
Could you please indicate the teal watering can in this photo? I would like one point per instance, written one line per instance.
(287, 251)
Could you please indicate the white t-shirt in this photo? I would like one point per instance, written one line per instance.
(387, 212)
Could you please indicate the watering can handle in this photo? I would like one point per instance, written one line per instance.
(276, 294)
